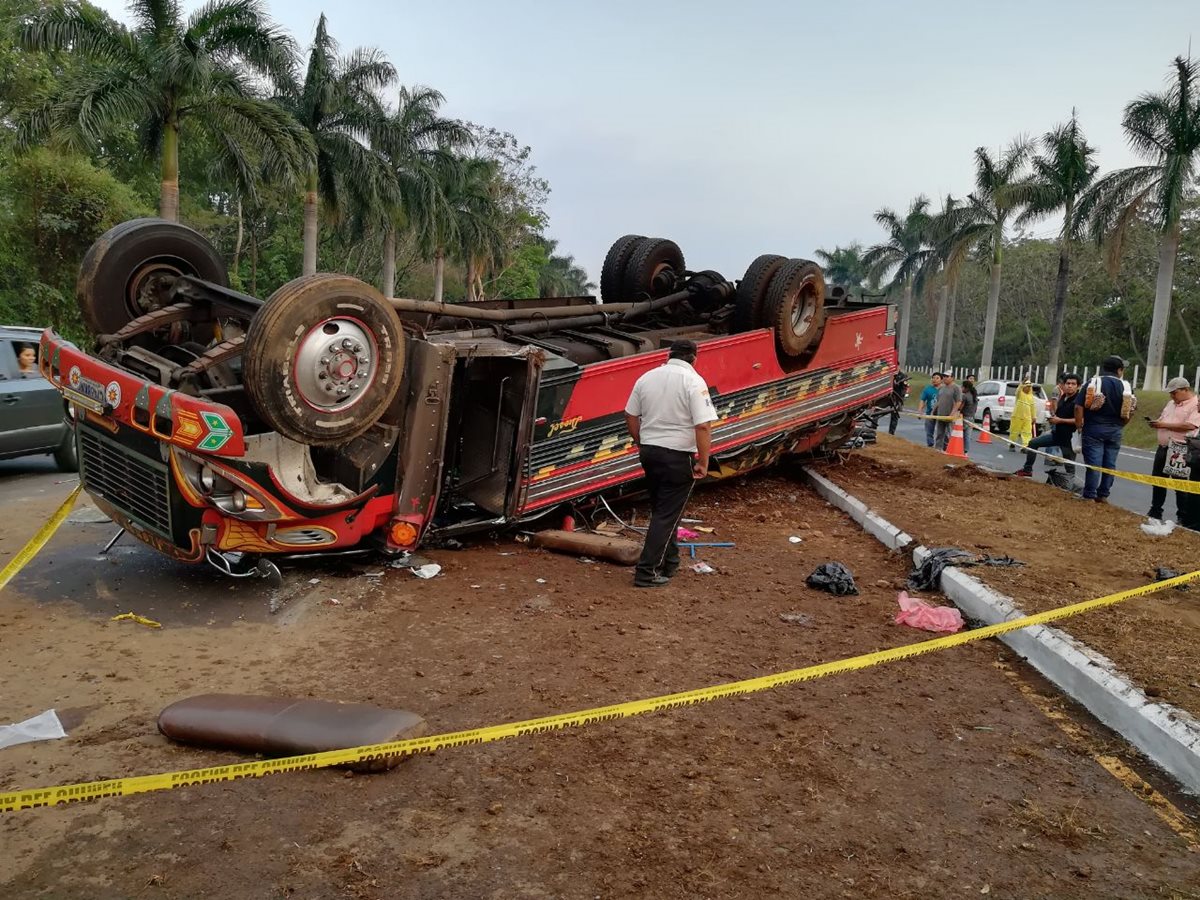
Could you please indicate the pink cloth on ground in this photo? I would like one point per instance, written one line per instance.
(916, 613)
(686, 534)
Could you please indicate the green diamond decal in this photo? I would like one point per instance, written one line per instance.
(218, 432)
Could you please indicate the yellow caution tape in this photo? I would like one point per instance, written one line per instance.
(1172, 484)
(121, 787)
(38, 541)
(134, 617)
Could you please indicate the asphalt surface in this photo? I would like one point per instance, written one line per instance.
(1126, 494)
(131, 577)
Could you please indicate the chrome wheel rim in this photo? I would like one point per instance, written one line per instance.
(336, 362)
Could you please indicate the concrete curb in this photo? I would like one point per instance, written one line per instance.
(1166, 734)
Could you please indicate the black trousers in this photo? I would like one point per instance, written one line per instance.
(1187, 506)
(1048, 439)
(669, 481)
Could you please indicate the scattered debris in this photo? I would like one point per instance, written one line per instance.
(928, 575)
(795, 540)
(703, 568)
(134, 617)
(615, 549)
(372, 574)
(704, 529)
(1000, 562)
(334, 601)
(1162, 573)
(1155, 528)
(314, 581)
(916, 613)
(795, 618)
(832, 577)
(692, 545)
(409, 561)
(686, 534)
(42, 727)
(427, 571)
(540, 580)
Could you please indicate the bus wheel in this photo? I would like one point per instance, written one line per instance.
(752, 292)
(654, 269)
(130, 269)
(323, 359)
(614, 266)
(795, 306)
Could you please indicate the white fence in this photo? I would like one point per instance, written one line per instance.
(1036, 374)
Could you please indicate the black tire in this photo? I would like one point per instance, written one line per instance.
(752, 292)
(121, 275)
(795, 306)
(614, 266)
(66, 457)
(316, 394)
(653, 270)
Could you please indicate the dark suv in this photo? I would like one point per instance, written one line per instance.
(32, 415)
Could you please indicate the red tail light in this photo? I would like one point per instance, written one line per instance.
(1000, 399)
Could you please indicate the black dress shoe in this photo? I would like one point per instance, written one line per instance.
(656, 581)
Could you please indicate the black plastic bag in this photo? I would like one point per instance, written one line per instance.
(1162, 573)
(832, 577)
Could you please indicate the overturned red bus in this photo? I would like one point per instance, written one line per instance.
(213, 425)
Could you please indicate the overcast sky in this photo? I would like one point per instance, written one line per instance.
(739, 128)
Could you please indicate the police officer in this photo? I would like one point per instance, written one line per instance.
(669, 415)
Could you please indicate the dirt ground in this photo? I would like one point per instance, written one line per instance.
(933, 777)
(1073, 551)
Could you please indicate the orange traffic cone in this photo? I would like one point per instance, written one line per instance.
(985, 434)
(955, 445)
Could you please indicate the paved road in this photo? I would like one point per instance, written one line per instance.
(132, 577)
(1126, 494)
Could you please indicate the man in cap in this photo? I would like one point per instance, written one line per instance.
(1180, 419)
(1102, 415)
(670, 416)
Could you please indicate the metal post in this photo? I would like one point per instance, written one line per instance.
(1196, 382)
(1135, 373)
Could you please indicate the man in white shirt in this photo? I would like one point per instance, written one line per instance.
(670, 416)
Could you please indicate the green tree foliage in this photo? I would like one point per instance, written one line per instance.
(162, 75)
(53, 207)
(902, 253)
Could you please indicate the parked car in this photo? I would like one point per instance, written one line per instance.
(998, 398)
(33, 417)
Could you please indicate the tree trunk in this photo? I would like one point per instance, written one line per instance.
(237, 245)
(470, 280)
(1156, 350)
(993, 306)
(168, 193)
(943, 302)
(905, 317)
(439, 274)
(1187, 332)
(389, 264)
(948, 349)
(1060, 311)
(309, 265)
(253, 264)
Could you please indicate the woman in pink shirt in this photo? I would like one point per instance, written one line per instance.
(1180, 419)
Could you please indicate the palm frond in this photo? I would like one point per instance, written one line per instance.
(85, 30)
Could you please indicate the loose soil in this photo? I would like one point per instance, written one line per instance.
(931, 777)
(1073, 550)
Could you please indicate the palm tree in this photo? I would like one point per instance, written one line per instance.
(418, 145)
(1164, 128)
(982, 220)
(467, 224)
(948, 251)
(338, 106)
(164, 73)
(1062, 174)
(844, 265)
(902, 254)
(562, 276)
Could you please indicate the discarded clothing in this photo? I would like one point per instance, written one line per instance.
(1000, 562)
(832, 577)
(916, 613)
(928, 575)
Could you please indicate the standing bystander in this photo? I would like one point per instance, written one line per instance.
(1062, 422)
(949, 403)
(927, 401)
(1102, 414)
(669, 415)
(1180, 419)
(970, 404)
